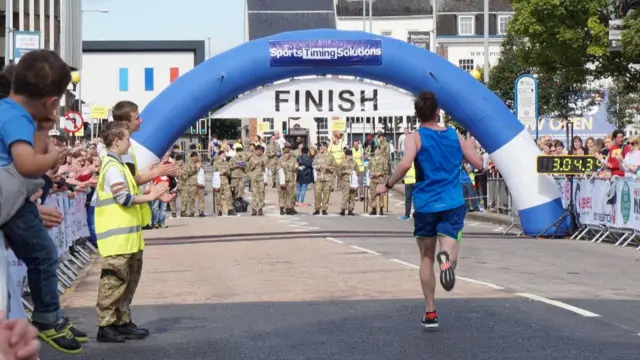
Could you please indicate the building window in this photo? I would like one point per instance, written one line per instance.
(324, 139)
(323, 123)
(503, 20)
(386, 33)
(466, 25)
(466, 64)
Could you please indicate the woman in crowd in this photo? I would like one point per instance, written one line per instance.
(304, 176)
(631, 161)
(577, 147)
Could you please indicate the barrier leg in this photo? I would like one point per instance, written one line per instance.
(65, 270)
(509, 229)
(63, 279)
(595, 238)
(603, 236)
(581, 234)
(76, 261)
(70, 267)
(91, 247)
(630, 239)
(621, 239)
(366, 199)
(83, 253)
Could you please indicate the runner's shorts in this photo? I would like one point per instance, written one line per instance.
(444, 223)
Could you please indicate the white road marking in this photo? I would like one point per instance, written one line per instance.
(335, 240)
(363, 249)
(559, 304)
(473, 281)
(307, 228)
(405, 263)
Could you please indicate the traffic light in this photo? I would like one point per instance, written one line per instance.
(284, 127)
(194, 129)
(203, 126)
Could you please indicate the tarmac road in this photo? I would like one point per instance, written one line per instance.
(331, 287)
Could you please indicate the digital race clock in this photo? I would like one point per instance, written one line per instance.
(567, 164)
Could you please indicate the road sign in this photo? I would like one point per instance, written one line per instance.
(526, 100)
(74, 122)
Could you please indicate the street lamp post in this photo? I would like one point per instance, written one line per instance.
(75, 81)
(486, 42)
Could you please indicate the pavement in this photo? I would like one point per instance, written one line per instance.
(334, 287)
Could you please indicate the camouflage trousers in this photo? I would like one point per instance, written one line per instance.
(187, 200)
(173, 204)
(200, 199)
(118, 282)
(377, 201)
(348, 196)
(287, 195)
(272, 167)
(223, 198)
(238, 185)
(257, 188)
(322, 193)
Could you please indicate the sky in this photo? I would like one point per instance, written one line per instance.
(220, 20)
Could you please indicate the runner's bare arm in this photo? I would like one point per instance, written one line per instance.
(469, 151)
(410, 150)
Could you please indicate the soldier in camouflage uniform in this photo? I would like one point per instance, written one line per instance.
(273, 154)
(378, 170)
(223, 195)
(173, 204)
(238, 166)
(298, 152)
(287, 192)
(257, 166)
(348, 166)
(188, 188)
(384, 152)
(324, 167)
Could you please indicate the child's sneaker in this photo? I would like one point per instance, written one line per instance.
(59, 337)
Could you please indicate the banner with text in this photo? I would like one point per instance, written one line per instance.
(325, 53)
(320, 97)
(610, 203)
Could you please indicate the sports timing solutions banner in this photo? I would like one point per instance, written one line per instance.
(613, 203)
(325, 53)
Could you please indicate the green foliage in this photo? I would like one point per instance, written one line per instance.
(503, 75)
(621, 106)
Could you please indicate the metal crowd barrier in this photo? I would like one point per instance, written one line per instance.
(619, 234)
(73, 259)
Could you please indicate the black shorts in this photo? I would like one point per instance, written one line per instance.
(447, 223)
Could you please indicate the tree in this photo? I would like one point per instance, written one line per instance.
(622, 106)
(504, 74)
(449, 121)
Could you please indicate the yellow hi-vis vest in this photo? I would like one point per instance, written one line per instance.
(410, 176)
(337, 150)
(118, 228)
(357, 156)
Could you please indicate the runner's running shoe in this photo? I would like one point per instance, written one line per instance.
(430, 320)
(447, 276)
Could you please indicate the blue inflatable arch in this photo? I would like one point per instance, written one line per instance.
(406, 66)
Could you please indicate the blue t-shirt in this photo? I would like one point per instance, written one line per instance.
(438, 164)
(16, 124)
(464, 176)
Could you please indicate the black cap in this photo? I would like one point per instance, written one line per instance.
(348, 152)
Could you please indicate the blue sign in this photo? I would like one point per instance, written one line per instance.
(325, 53)
(24, 42)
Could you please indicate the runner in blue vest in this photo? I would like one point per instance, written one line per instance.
(437, 154)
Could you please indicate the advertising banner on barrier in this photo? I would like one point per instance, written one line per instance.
(325, 53)
(601, 202)
(73, 227)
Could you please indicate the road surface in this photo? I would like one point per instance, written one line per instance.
(331, 287)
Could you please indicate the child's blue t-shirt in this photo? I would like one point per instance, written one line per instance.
(16, 124)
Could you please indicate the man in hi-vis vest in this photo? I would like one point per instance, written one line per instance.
(119, 219)
(336, 149)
